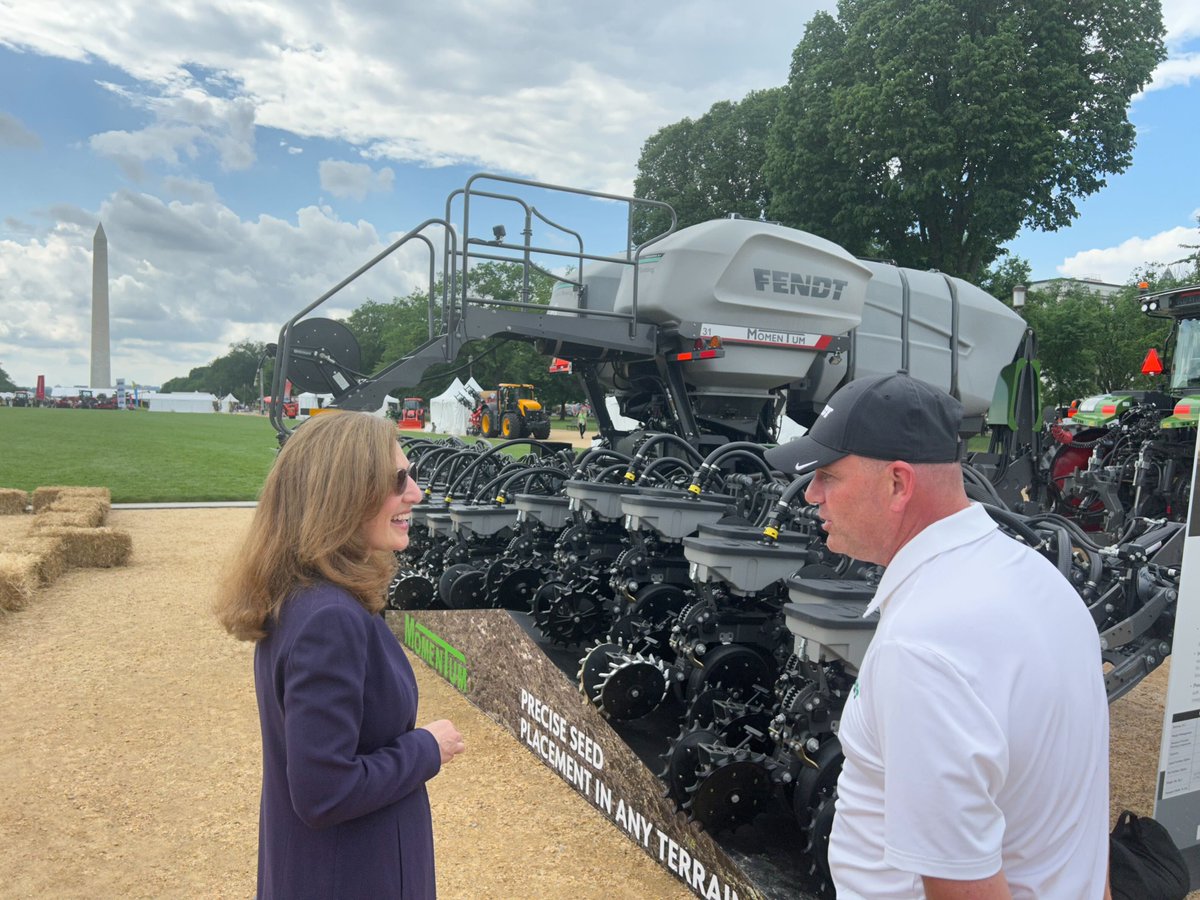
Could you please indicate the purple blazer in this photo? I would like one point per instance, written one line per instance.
(344, 810)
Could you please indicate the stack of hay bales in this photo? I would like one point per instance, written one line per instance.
(13, 502)
(66, 531)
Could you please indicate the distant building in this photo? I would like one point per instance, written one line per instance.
(1058, 286)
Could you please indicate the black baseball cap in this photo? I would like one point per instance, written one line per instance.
(891, 417)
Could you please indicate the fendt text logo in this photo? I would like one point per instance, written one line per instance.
(816, 286)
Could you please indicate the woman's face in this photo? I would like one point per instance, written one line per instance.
(388, 528)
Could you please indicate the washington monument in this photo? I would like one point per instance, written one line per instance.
(101, 370)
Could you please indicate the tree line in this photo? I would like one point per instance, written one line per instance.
(928, 134)
(387, 331)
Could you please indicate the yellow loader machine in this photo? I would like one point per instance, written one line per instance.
(511, 411)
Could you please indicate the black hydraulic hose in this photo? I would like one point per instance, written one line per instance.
(662, 462)
(1064, 555)
(527, 474)
(596, 454)
(639, 458)
(978, 480)
(702, 476)
(599, 477)
(426, 459)
(1007, 517)
(484, 492)
(1080, 536)
(448, 462)
(488, 454)
(1077, 539)
(781, 511)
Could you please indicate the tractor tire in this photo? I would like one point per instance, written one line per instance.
(541, 431)
(489, 426)
(512, 426)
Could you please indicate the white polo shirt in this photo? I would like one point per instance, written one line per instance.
(976, 737)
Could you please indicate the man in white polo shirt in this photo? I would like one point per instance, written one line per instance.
(976, 736)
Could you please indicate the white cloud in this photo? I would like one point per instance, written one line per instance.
(186, 123)
(13, 133)
(1176, 71)
(344, 179)
(1181, 19)
(1117, 265)
(186, 280)
(559, 92)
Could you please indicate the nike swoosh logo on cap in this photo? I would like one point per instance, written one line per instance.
(800, 467)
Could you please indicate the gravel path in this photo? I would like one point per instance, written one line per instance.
(129, 751)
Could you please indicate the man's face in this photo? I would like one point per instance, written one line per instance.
(853, 495)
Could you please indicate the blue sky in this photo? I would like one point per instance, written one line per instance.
(244, 158)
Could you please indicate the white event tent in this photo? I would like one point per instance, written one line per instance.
(447, 414)
(198, 402)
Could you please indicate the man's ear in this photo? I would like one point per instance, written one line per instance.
(902, 479)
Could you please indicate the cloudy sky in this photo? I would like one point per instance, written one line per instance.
(246, 156)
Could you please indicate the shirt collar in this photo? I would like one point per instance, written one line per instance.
(955, 530)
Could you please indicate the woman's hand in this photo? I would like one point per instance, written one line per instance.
(450, 742)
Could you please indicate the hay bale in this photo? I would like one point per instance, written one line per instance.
(84, 518)
(74, 512)
(81, 504)
(46, 496)
(13, 502)
(18, 580)
(50, 553)
(93, 547)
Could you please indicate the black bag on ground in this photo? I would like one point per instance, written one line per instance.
(1144, 863)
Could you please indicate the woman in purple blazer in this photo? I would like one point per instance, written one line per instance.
(344, 811)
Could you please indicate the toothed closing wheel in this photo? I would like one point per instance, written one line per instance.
(515, 590)
(684, 759)
(592, 667)
(569, 614)
(632, 687)
(411, 590)
(730, 793)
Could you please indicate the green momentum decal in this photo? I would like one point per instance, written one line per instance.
(447, 661)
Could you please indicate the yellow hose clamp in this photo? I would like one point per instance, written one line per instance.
(500, 499)
(629, 476)
(772, 533)
(694, 488)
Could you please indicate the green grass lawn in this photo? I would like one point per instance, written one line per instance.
(140, 456)
(145, 457)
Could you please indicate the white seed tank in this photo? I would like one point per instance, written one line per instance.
(778, 298)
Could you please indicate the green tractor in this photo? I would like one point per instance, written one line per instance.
(512, 411)
(1130, 453)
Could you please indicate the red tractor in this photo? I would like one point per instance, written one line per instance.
(412, 414)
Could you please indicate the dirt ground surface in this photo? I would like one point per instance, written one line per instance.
(129, 749)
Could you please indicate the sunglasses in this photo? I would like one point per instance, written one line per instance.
(401, 480)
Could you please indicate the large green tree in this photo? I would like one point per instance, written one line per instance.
(489, 362)
(936, 130)
(234, 373)
(1089, 344)
(708, 167)
(6, 383)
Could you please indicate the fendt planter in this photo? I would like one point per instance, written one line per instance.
(686, 585)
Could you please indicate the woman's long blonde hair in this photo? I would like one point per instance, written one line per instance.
(333, 473)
